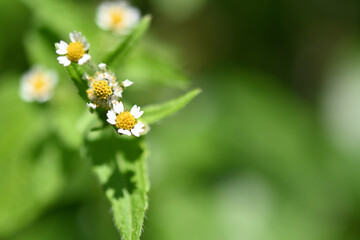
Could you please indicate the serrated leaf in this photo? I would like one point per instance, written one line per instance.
(120, 165)
(130, 41)
(155, 113)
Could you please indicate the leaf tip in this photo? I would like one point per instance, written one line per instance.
(147, 17)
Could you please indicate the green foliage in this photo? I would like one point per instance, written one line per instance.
(39, 50)
(128, 43)
(120, 164)
(151, 64)
(155, 113)
(62, 17)
(254, 158)
(31, 160)
(76, 74)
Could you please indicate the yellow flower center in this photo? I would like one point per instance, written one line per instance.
(125, 121)
(39, 83)
(75, 51)
(102, 89)
(117, 16)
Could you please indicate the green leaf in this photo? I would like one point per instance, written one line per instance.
(76, 74)
(150, 66)
(120, 165)
(155, 113)
(130, 41)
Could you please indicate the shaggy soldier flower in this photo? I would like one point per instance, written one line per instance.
(76, 51)
(38, 84)
(103, 88)
(126, 122)
(119, 17)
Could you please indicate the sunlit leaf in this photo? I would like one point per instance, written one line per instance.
(120, 165)
(155, 113)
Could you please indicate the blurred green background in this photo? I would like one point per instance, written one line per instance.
(269, 150)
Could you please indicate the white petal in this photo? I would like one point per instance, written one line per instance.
(102, 66)
(85, 76)
(139, 125)
(123, 131)
(61, 47)
(118, 107)
(139, 115)
(111, 114)
(132, 16)
(118, 92)
(135, 111)
(64, 61)
(127, 83)
(84, 59)
(72, 36)
(135, 132)
(91, 105)
(43, 98)
(85, 44)
(112, 122)
(111, 117)
(61, 51)
(75, 36)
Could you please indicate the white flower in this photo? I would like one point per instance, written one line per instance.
(118, 16)
(38, 84)
(126, 122)
(103, 87)
(76, 51)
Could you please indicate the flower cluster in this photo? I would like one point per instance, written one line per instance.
(104, 90)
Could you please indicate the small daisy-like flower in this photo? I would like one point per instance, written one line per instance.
(76, 51)
(38, 84)
(126, 122)
(104, 89)
(119, 16)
